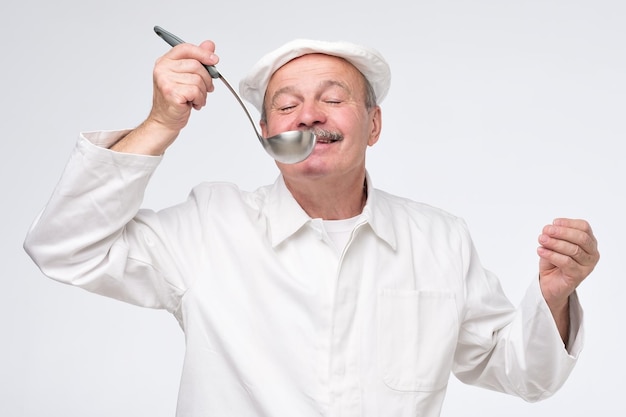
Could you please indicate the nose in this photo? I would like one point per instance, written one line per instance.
(311, 114)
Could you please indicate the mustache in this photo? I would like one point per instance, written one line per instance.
(329, 135)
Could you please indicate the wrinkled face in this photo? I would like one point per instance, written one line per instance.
(326, 94)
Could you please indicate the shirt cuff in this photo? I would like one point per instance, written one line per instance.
(95, 146)
(575, 339)
(105, 138)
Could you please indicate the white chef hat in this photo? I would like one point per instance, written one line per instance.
(367, 60)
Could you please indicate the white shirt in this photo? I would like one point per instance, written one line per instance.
(276, 321)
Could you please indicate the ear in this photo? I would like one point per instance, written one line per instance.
(376, 125)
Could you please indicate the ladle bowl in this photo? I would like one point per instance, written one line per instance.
(287, 147)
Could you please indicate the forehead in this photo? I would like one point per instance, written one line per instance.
(314, 68)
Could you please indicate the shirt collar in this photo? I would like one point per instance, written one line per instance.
(378, 214)
(286, 217)
(284, 214)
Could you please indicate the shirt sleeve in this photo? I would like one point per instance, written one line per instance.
(92, 233)
(516, 351)
(534, 304)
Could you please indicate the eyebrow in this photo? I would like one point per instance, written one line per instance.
(290, 89)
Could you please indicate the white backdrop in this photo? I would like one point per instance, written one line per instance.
(506, 113)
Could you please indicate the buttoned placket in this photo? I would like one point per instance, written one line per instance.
(344, 388)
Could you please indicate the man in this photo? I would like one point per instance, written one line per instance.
(319, 294)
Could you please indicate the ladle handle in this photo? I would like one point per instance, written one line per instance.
(174, 40)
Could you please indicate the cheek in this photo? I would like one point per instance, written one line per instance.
(275, 126)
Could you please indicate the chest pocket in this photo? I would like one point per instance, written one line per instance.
(417, 335)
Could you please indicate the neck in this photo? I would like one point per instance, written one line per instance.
(330, 199)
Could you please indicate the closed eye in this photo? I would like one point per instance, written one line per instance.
(287, 108)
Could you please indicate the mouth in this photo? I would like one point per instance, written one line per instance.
(327, 136)
(323, 140)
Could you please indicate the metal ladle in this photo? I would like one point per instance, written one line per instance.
(287, 147)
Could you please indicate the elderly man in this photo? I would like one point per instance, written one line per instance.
(318, 294)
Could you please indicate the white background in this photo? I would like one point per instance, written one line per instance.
(506, 113)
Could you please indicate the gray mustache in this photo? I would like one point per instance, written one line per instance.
(327, 134)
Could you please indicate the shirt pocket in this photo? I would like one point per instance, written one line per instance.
(417, 336)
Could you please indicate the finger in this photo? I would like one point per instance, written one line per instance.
(191, 94)
(570, 270)
(204, 53)
(563, 252)
(173, 74)
(565, 248)
(209, 46)
(576, 232)
(192, 58)
(550, 259)
(183, 92)
(579, 224)
(188, 66)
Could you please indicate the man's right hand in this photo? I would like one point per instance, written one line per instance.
(180, 83)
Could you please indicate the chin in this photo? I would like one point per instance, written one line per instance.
(310, 167)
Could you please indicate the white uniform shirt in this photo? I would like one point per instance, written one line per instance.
(276, 321)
